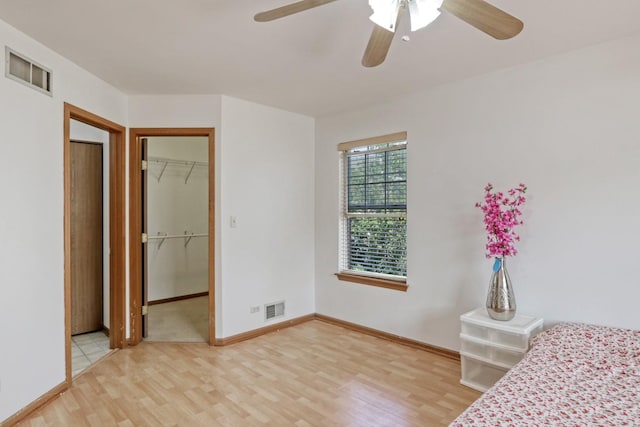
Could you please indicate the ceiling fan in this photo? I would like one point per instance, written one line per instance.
(386, 15)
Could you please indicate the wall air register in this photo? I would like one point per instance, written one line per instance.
(273, 310)
(23, 70)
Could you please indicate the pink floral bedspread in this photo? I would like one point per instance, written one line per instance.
(574, 375)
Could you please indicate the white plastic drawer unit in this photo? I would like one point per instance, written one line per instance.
(496, 354)
(515, 333)
(489, 348)
(480, 375)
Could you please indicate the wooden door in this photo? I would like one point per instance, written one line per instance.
(86, 237)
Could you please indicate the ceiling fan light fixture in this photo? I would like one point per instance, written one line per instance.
(385, 13)
(423, 12)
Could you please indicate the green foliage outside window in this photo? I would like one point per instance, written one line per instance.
(378, 245)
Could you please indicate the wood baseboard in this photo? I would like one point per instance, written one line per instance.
(261, 331)
(449, 354)
(178, 298)
(24, 412)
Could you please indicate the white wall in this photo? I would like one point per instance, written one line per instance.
(31, 218)
(267, 185)
(567, 127)
(83, 132)
(176, 206)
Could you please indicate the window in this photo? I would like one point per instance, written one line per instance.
(373, 224)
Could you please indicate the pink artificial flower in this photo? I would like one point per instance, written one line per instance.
(500, 217)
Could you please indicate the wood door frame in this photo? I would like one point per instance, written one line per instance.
(117, 234)
(135, 224)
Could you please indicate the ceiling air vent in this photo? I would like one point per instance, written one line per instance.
(274, 310)
(21, 69)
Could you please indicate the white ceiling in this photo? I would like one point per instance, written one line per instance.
(308, 63)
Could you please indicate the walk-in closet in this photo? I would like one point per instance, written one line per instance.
(175, 219)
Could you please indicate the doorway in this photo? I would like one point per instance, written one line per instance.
(115, 220)
(89, 245)
(175, 192)
(145, 247)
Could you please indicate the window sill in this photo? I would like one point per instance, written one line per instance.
(371, 281)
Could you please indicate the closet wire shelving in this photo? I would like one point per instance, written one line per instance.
(187, 235)
(165, 162)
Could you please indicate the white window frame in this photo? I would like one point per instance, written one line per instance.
(397, 141)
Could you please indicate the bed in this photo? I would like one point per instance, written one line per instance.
(574, 375)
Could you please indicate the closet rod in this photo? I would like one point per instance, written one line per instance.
(176, 236)
(186, 236)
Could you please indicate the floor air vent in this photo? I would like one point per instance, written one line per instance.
(274, 310)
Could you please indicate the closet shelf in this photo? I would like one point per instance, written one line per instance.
(187, 236)
(165, 161)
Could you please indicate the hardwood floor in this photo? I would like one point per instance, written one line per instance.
(313, 374)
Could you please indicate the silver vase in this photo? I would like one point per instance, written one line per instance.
(501, 301)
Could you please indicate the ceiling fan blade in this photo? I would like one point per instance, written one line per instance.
(289, 9)
(378, 47)
(485, 17)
